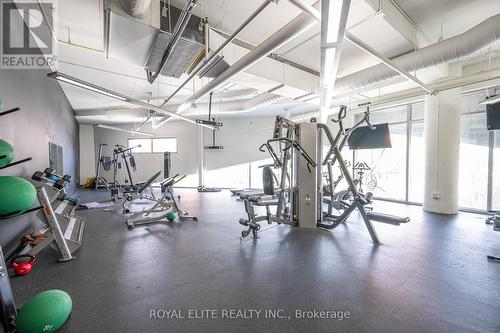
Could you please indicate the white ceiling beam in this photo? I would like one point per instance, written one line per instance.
(304, 6)
(366, 48)
(116, 95)
(400, 21)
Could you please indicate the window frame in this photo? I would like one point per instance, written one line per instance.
(165, 137)
(463, 113)
(489, 186)
(408, 122)
(142, 152)
(151, 144)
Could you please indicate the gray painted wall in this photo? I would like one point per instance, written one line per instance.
(241, 139)
(46, 116)
(183, 162)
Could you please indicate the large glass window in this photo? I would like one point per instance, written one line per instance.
(479, 154)
(140, 145)
(156, 145)
(391, 177)
(165, 144)
(474, 145)
(416, 163)
(417, 111)
(391, 115)
(388, 166)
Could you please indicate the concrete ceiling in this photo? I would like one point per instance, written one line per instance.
(449, 16)
(81, 49)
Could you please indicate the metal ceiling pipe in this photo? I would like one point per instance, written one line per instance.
(294, 28)
(242, 105)
(203, 64)
(239, 106)
(136, 8)
(448, 50)
(370, 50)
(363, 46)
(304, 6)
(179, 28)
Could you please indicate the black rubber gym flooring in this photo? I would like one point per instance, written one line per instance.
(430, 275)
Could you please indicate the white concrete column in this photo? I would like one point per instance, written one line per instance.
(201, 157)
(86, 153)
(442, 147)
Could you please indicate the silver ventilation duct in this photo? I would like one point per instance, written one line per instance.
(450, 49)
(136, 8)
(179, 29)
(239, 106)
(294, 28)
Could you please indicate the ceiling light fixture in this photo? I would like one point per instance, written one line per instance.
(333, 25)
(78, 83)
(123, 130)
(107, 92)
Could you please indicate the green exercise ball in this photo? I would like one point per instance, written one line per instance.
(16, 195)
(46, 312)
(6, 153)
(171, 216)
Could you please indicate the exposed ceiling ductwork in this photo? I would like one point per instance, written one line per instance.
(449, 50)
(157, 50)
(247, 102)
(233, 107)
(244, 105)
(172, 41)
(294, 28)
(136, 8)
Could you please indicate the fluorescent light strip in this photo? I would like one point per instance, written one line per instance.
(333, 25)
(103, 91)
(491, 100)
(123, 130)
(81, 85)
(334, 15)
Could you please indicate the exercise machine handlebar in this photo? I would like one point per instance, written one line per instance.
(293, 144)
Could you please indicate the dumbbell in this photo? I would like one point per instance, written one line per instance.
(49, 172)
(44, 177)
(38, 176)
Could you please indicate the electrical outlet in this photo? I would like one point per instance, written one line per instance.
(435, 195)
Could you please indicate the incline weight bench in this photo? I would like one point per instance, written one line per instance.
(139, 194)
(166, 204)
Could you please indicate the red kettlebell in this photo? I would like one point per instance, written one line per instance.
(23, 267)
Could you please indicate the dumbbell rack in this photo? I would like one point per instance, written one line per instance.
(64, 227)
